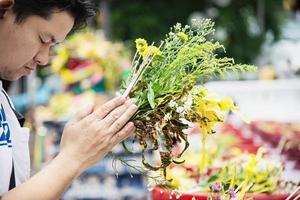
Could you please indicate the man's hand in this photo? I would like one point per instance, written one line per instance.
(87, 138)
(90, 135)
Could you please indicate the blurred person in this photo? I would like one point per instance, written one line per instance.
(28, 29)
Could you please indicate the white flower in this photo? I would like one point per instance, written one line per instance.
(183, 99)
(173, 104)
(185, 121)
(196, 90)
(167, 117)
(180, 109)
(188, 103)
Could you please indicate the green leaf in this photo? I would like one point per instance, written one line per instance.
(178, 162)
(213, 178)
(125, 147)
(151, 96)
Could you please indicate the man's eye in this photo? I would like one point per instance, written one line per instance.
(42, 41)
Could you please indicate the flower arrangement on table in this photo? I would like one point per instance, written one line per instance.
(232, 173)
(90, 67)
(230, 178)
(252, 173)
(87, 61)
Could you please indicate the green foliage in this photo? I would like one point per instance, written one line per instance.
(181, 64)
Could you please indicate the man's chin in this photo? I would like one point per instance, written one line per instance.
(17, 78)
(11, 78)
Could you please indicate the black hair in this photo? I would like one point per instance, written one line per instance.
(81, 10)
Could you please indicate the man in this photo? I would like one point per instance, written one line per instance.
(28, 29)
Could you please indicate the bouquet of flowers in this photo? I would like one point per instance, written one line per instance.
(166, 81)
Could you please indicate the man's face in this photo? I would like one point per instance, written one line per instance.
(26, 45)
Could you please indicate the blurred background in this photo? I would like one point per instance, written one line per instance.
(90, 66)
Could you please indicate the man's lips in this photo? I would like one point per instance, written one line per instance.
(30, 68)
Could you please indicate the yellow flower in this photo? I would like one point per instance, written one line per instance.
(141, 42)
(60, 59)
(152, 51)
(63, 52)
(183, 36)
(227, 104)
(87, 50)
(203, 92)
(58, 63)
(59, 104)
(67, 76)
(176, 174)
(210, 111)
(141, 45)
(250, 165)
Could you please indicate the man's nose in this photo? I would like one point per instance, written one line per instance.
(42, 57)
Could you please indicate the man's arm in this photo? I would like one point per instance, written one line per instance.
(49, 183)
(86, 139)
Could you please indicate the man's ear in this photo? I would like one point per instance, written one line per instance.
(6, 4)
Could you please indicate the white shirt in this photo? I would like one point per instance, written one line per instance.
(14, 148)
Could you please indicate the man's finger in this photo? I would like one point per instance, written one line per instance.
(104, 110)
(122, 120)
(83, 113)
(118, 112)
(128, 130)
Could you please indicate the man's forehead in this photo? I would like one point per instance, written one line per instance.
(57, 26)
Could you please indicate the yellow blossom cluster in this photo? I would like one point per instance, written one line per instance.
(211, 109)
(144, 50)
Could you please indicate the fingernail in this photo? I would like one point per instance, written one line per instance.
(133, 100)
(122, 99)
(128, 101)
(133, 130)
(134, 107)
(131, 124)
